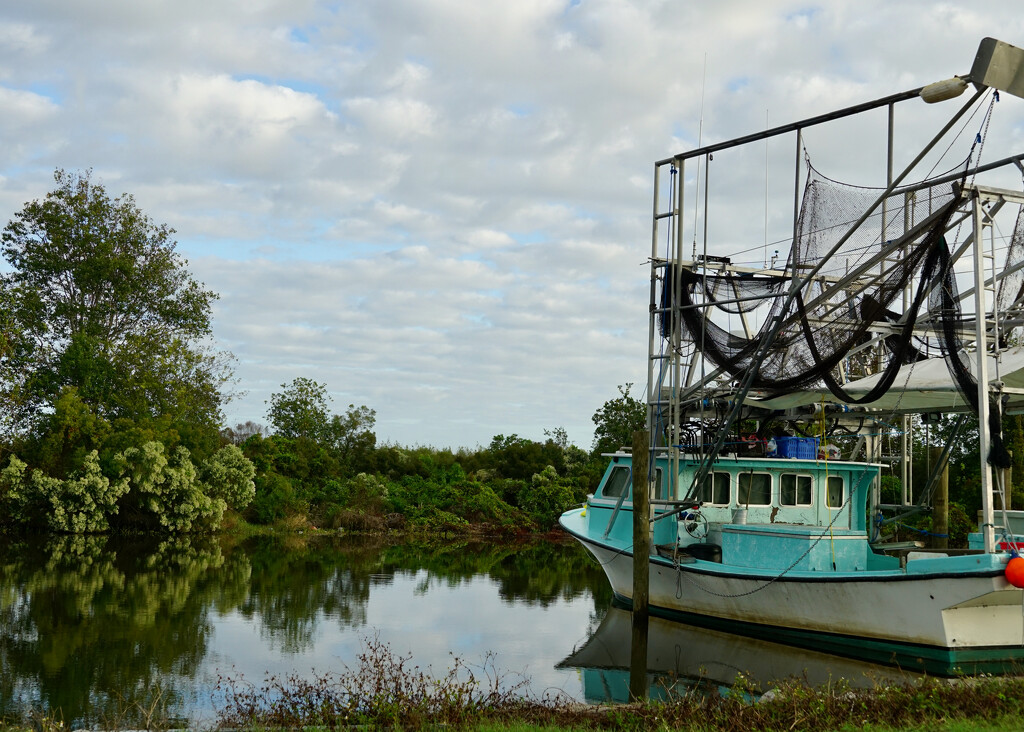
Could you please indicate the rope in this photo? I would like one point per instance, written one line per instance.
(922, 532)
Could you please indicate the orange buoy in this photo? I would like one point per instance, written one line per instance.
(1015, 571)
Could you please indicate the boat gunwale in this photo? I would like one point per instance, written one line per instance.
(754, 574)
(842, 644)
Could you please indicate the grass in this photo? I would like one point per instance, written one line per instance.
(387, 691)
(1005, 724)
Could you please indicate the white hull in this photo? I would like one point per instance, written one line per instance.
(941, 611)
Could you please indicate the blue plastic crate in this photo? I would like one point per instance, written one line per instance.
(805, 448)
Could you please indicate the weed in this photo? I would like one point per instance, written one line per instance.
(387, 691)
(383, 690)
(150, 711)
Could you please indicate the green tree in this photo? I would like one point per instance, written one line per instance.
(16, 352)
(105, 304)
(67, 435)
(617, 420)
(351, 437)
(1013, 436)
(519, 458)
(579, 465)
(300, 410)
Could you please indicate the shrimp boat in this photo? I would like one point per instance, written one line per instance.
(896, 310)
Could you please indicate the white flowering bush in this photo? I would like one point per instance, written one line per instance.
(167, 487)
(80, 504)
(368, 487)
(167, 491)
(16, 490)
(180, 496)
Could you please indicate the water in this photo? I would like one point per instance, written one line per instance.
(93, 626)
(96, 627)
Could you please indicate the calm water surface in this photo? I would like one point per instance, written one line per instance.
(91, 626)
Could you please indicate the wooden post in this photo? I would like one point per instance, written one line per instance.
(641, 565)
(940, 504)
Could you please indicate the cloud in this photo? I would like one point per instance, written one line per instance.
(24, 110)
(442, 209)
(393, 118)
(21, 39)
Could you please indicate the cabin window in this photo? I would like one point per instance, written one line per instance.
(617, 483)
(659, 485)
(755, 489)
(795, 490)
(836, 496)
(715, 490)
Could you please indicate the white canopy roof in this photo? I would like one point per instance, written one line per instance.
(925, 386)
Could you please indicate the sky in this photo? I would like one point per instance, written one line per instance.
(442, 209)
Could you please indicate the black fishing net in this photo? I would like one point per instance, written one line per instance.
(850, 303)
(1011, 286)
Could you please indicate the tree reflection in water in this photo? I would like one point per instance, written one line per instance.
(95, 626)
(90, 630)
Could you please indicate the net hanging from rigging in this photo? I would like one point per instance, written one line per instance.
(900, 248)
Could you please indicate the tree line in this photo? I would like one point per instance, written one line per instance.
(327, 469)
(112, 402)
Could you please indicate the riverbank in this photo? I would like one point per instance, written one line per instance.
(402, 697)
(1005, 724)
(236, 528)
(382, 691)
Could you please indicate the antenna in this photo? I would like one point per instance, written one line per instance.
(766, 191)
(700, 143)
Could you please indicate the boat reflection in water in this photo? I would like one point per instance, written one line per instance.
(682, 658)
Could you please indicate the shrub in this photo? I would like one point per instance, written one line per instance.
(368, 492)
(82, 503)
(384, 691)
(168, 488)
(275, 499)
(547, 497)
(228, 475)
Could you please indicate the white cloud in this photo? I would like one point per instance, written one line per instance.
(241, 128)
(396, 118)
(442, 209)
(24, 109)
(21, 38)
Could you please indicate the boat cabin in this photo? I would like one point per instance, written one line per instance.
(757, 512)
